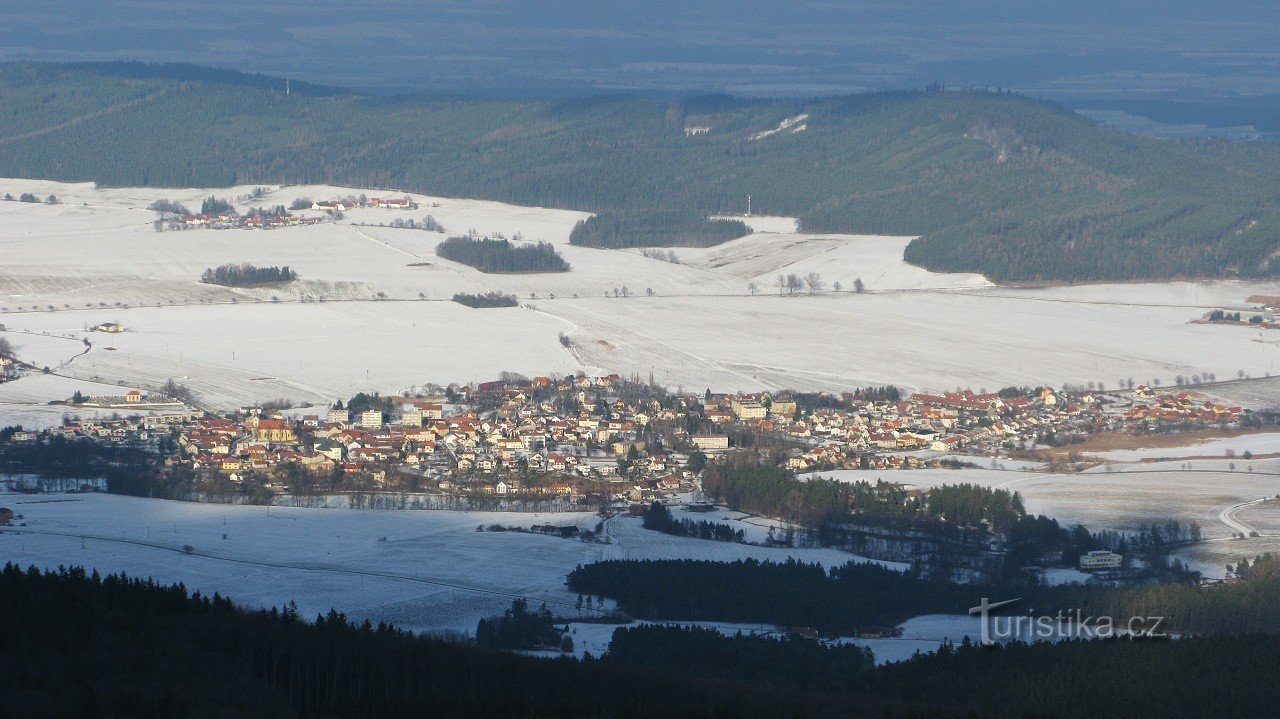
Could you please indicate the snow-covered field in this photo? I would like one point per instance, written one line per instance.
(876, 260)
(25, 402)
(1126, 497)
(312, 352)
(423, 570)
(1257, 444)
(371, 312)
(764, 223)
(1257, 392)
(1222, 500)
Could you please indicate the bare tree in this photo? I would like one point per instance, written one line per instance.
(814, 281)
(751, 287)
(794, 283)
(858, 286)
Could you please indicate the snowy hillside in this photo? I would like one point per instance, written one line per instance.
(371, 309)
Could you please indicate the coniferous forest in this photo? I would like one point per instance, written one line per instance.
(247, 275)
(659, 519)
(864, 595)
(1008, 186)
(743, 484)
(77, 644)
(498, 256)
(80, 645)
(654, 228)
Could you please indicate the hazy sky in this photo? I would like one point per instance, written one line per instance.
(1062, 48)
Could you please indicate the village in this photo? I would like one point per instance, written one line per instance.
(588, 441)
(221, 215)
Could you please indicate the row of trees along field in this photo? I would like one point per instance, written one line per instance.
(498, 256)
(1011, 187)
(859, 596)
(486, 300)
(247, 275)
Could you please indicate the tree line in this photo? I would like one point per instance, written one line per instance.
(485, 300)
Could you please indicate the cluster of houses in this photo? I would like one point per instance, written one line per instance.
(1153, 407)
(228, 221)
(266, 220)
(8, 369)
(912, 432)
(386, 203)
(520, 446)
(133, 399)
(579, 437)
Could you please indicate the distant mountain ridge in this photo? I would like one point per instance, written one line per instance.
(1013, 188)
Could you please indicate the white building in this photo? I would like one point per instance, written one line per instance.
(1100, 559)
(710, 441)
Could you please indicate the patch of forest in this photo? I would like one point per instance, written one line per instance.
(616, 229)
(744, 484)
(246, 275)
(658, 518)
(486, 300)
(502, 256)
(864, 595)
(1007, 186)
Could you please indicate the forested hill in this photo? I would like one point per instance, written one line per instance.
(998, 184)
